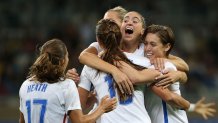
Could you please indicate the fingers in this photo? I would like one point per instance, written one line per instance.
(158, 63)
(125, 87)
(114, 102)
(166, 86)
(72, 71)
(155, 64)
(205, 110)
(75, 79)
(209, 104)
(128, 86)
(120, 87)
(164, 82)
(108, 99)
(211, 114)
(165, 71)
(199, 102)
(108, 104)
(160, 77)
(105, 97)
(204, 116)
(208, 112)
(161, 63)
(212, 110)
(131, 86)
(72, 74)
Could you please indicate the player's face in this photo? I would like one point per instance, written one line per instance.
(154, 47)
(131, 27)
(112, 15)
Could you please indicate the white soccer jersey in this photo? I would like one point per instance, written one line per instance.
(158, 110)
(48, 103)
(130, 111)
(134, 111)
(161, 112)
(96, 46)
(139, 51)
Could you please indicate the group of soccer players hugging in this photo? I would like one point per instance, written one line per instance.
(129, 77)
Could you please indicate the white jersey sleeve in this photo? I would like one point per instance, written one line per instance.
(96, 46)
(21, 95)
(175, 87)
(71, 96)
(21, 105)
(170, 66)
(85, 82)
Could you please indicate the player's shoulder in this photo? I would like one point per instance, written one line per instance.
(25, 85)
(66, 83)
(136, 59)
(27, 82)
(170, 65)
(89, 70)
(94, 44)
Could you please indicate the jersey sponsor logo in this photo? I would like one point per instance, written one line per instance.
(37, 87)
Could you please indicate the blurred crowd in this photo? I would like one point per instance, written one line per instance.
(26, 24)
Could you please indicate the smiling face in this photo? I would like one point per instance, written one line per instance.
(154, 48)
(159, 41)
(132, 27)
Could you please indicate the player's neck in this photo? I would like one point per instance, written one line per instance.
(129, 47)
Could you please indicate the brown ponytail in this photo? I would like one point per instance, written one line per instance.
(48, 66)
(109, 36)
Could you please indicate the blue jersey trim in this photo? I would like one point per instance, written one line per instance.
(165, 111)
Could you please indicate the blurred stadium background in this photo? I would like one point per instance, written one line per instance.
(26, 24)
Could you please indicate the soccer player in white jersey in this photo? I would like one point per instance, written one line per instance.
(116, 14)
(132, 29)
(158, 43)
(136, 22)
(48, 97)
(130, 107)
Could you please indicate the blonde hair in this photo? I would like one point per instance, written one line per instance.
(120, 10)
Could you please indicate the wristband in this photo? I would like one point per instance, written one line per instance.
(191, 107)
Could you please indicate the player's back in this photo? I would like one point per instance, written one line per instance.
(47, 103)
(126, 111)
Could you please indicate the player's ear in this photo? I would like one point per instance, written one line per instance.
(167, 47)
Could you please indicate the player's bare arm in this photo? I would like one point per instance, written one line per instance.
(180, 64)
(106, 105)
(89, 58)
(21, 120)
(171, 76)
(139, 77)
